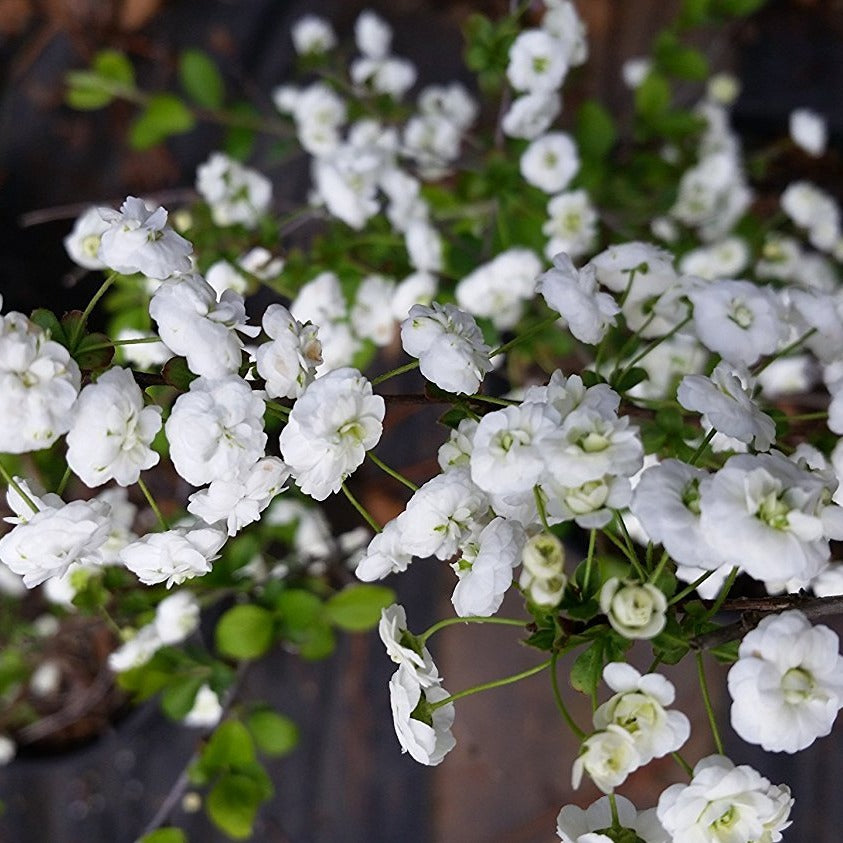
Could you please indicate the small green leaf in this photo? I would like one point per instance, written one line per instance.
(630, 378)
(588, 668)
(358, 607)
(114, 66)
(201, 79)
(176, 373)
(164, 115)
(229, 747)
(48, 320)
(595, 130)
(233, 803)
(245, 632)
(652, 97)
(96, 359)
(274, 734)
(177, 698)
(91, 89)
(165, 835)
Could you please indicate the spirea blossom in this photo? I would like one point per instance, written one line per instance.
(635, 610)
(39, 382)
(425, 734)
(607, 757)
(536, 62)
(215, 430)
(808, 131)
(404, 648)
(550, 162)
(725, 804)
(173, 556)
(572, 224)
(288, 361)
(235, 193)
(449, 346)
(330, 428)
(787, 685)
(385, 555)
(138, 239)
(83, 242)
(577, 825)
(312, 35)
(112, 431)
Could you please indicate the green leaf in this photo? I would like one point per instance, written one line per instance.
(98, 358)
(358, 607)
(114, 66)
(737, 8)
(177, 698)
(245, 632)
(588, 668)
(48, 320)
(229, 747)
(200, 78)
(652, 96)
(274, 734)
(630, 378)
(165, 835)
(91, 89)
(233, 803)
(694, 13)
(595, 130)
(164, 115)
(176, 373)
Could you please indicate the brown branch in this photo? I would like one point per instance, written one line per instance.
(754, 609)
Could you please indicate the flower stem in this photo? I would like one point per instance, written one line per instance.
(431, 630)
(537, 494)
(703, 445)
(724, 592)
(613, 805)
(391, 471)
(715, 732)
(530, 332)
(115, 343)
(151, 501)
(65, 479)
(786, 350)
(407, 367)
(560, 702)
(688, 589)
(592, 541)
(630, 547)
(13, 484)
(496, 683)
(660, 567)
(361, 509)
(80, 328)
(689, 770)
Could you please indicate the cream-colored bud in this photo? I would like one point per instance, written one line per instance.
(544, 556)
(634, 610)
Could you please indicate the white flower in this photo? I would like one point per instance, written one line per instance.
(39, 382)
(457, 450)
(385, 555)
(53, 538)
(143, 355)
(239, 501)
(312, 35)
(808, 131)
(536, 62)
(346, 181)
(137, 650)
(425, 734)
(424, 246)
(451, 101)
(83, 242)
(635, 70)
(738, 320)
(787, 685)
(441, 514)
(403, 647)
(193, 324)
(223, 276)
(330, 428)
(176, 617)
(635, 610)
(288, 362)
(206, 711)
(391, 75)
(550, 162)
(173, 556)
(727, 407)
(319, 113)
(608, 757)
(138, 239)
(112, 431)
(216, 430)
(433, 142)
(573, 295)
(449, 346)
(575, 825)
(370, 316)
(725, 804)
(418, 288)
(485, 569)
(764, 514)
(639, 707)
(235, 194)
(667, 503)
(531, 114)
(591, 504)
(815, 210)
(572, 224)
(563, 22)
(372, 35)
(499, 288)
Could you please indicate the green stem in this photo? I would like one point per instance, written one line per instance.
(786, 350)
(391, 471)
(592, 541)
(688, 589)
(361, 509)
(488, 399)
(431, 630)
(407, 367)
(560, 702)
(151, 501)
(718, 742)
(496, 683)
(80, 328)
(65, 479)
(537, 494)
(660, 567)
(115, 343)
(703, 445)
(630, 547)
(13, 484)
(724, 592)
(655, 344)
(530, 332)
(689, 770)
(278, 409)
(616, 822)
(822, 414)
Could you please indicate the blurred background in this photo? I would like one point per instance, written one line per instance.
(347, 781)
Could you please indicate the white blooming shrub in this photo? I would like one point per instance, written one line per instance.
(638, 370)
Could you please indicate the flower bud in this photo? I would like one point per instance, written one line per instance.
(544, 557)
(634, 610)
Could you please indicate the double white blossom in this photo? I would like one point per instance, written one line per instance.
(288, 361)
(236, 194)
